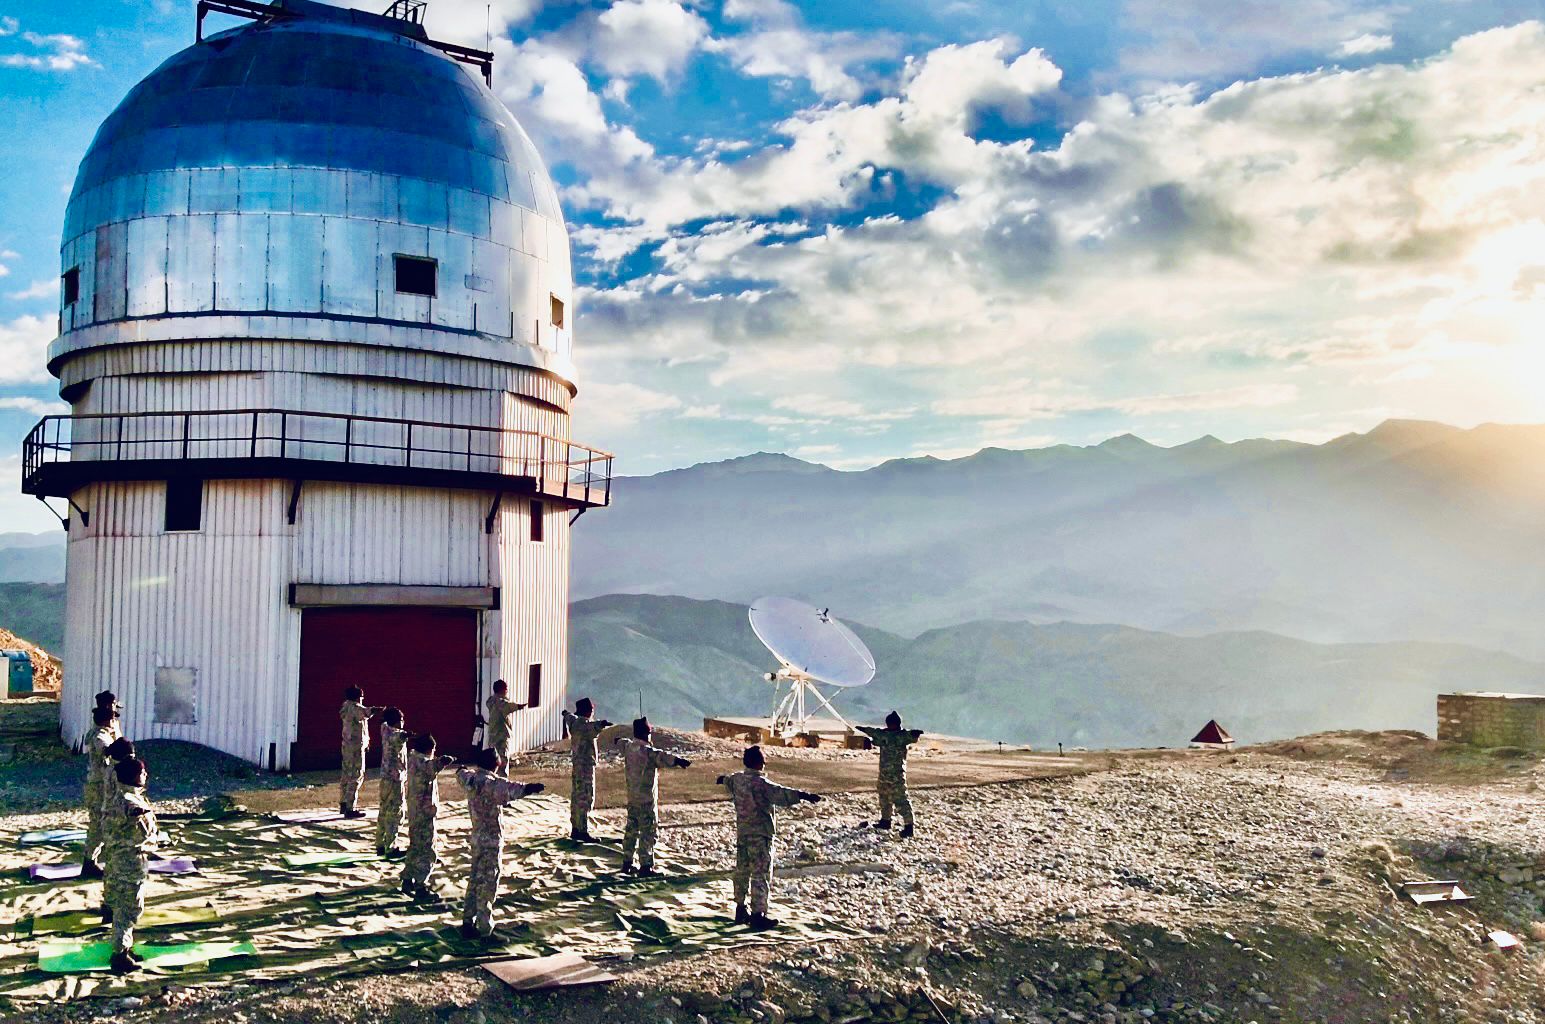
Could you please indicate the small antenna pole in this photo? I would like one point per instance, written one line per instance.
(641, 703)
(488, 27)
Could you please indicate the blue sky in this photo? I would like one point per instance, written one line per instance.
(861, 231)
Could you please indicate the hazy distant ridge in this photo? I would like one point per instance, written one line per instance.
(1106, 686)
(1413, 531)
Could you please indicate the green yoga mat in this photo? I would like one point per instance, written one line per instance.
(153, 917)
(63, 957)
(307, 860)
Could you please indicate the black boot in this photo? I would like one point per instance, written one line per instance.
(883, 823)
(762, 923)
(90, 869)
(123, 963)
(650, 872)
(628, 868)
(741, 917)
(356, 813)
(343, 809)
(469, 931)
(906, 831)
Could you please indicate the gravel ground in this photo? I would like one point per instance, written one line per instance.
(1249, 887)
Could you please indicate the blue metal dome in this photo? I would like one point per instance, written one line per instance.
(278, 167)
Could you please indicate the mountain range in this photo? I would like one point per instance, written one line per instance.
(32, 557)
(1414, 531)
(1098, 686)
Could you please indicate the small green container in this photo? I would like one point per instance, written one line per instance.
(18, 674)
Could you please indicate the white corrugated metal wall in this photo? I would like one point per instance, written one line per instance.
(215, 600)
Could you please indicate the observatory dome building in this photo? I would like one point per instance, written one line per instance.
(314, 331)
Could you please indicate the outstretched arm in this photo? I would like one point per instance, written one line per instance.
(785, 796)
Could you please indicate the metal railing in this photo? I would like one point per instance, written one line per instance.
(559, 467)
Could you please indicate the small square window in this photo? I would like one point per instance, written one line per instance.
(537, 511)
(557, 311)
(71, 281)
(415, 274)
(534, 686)
(176, 696)
(184, 504)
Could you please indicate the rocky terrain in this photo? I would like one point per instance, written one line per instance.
(1258, 886)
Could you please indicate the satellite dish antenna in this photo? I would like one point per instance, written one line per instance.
(812, 648)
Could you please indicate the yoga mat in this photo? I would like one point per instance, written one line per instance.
(62, 957)
(318, 817)
(306, 860)
(54, 835)
(54, 872)
(60, 872)
(74, 921)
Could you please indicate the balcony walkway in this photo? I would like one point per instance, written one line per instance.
(64, 453)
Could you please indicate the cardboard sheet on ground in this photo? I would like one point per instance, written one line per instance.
(561, 970)
(61, 957)
(556, 896)
(61, 872)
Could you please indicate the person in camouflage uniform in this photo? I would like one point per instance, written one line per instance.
(423, 799)
(642, 763)
(487, 792)
(394, 763)
(500, 725)
(892, 742)
(109, 699)
(755, 798)
(131, 832)
(97, 742)
(356, 742)
(118, 751)
(582, 730)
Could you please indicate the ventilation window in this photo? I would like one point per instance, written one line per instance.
(176, 696)
(71, 280)
(534, 686)
(557, 311)
(184, 504)
(415, 275)
(536, 521)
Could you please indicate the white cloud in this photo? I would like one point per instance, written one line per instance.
(1360, 46)
(1012, 402)
(777, 44)
(19, 512)
(1186, 40)
(1332, 226)
(56, 52)
(617, 406)
(473, 22)
(23, 342)
(36, 406)
(646, 37)
(834, 153)
(45, 288)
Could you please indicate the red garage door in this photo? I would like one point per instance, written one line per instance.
(422, 660)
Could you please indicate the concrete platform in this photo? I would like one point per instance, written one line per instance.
(822, 732)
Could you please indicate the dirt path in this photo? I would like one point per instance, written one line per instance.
(838, 773)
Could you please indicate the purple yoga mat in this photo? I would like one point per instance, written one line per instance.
(58, 872)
